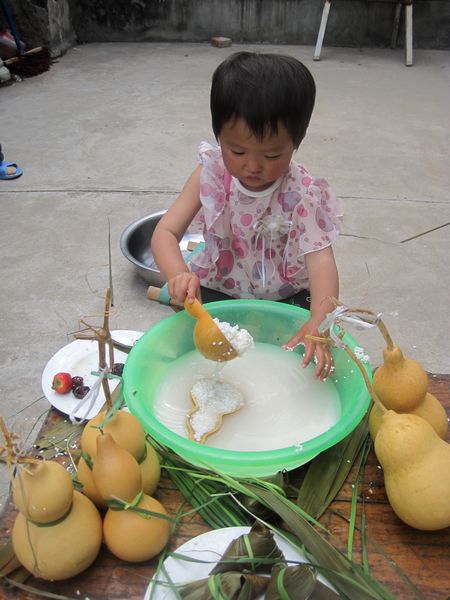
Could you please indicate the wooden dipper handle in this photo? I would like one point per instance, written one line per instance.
(153, 293)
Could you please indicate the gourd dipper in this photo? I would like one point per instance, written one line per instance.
(208, 338)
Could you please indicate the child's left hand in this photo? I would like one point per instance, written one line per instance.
(324, 360)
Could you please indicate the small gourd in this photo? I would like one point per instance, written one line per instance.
(150, 470)
(115, 471)
(84, 476)
(123, 427)
(415, 460)
(69, 542)
(429, 409)
(135, 537)
(416, 467)
(117, 477)
(400, 383)
(43, 492)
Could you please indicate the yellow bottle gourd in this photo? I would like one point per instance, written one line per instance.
(134, 537)
(43, 492)
(65, 545)
(415, 460)
(123, 427)
(148, 464)
(115, 472)
(400, 383)
(150, 470)
(429, 409)
(84, 476)
(416, 467)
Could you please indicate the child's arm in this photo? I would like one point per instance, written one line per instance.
(324, 285)
(166, 237)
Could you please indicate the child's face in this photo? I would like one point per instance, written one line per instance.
(256, 163)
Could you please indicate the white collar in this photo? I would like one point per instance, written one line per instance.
(254, 194)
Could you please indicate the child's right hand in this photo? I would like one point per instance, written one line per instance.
(184, 285)
(318, 352)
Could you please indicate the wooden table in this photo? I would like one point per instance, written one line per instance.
(394, 549)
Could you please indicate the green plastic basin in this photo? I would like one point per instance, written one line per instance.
(268, 322)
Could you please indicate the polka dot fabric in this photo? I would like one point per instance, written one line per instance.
(255, 242)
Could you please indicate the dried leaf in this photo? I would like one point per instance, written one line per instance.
(57, 438)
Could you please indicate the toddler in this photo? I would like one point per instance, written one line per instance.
(268, 225)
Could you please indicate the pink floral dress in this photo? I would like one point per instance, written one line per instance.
(255, 242)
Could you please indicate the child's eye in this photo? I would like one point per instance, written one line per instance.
(238, 152)
(272, 157)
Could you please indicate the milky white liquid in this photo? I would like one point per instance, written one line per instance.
(284, 404)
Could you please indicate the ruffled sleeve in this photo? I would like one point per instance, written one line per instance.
(316, 219)
(212, 194)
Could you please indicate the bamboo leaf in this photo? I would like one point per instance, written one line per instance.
(253, 546)
(323, 592)
(413, 590)
(230, 585)
(355, 491)
(36, 591)
(328, 472)
(211, 499)
(289, 583)
(365, 558)
(346, 576)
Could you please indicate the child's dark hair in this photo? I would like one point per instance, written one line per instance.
(263, 89)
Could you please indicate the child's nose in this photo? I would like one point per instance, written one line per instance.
(254, 165)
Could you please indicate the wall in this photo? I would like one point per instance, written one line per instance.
(44, 23)
(358, 23)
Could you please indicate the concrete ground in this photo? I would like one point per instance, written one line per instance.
(109, 134)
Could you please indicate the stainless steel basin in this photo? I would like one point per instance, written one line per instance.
(135, 245)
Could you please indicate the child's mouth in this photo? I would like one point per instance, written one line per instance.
(254, 180)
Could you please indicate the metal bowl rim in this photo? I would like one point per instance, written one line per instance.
(126, 234)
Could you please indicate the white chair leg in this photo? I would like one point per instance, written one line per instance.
(323, 26)
(409, 34)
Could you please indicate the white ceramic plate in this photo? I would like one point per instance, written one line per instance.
(208, 546)
(80, 357)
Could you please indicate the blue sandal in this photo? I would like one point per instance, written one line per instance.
(4, 167)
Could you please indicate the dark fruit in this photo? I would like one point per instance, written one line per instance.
(77, 381)
(117, 369)
(81, 391)
(62, 383)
